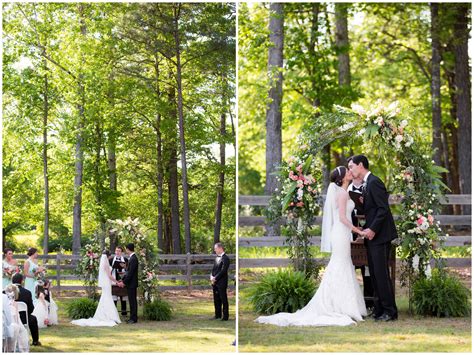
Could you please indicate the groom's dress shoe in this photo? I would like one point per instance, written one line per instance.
(131, 321)
(385, 318)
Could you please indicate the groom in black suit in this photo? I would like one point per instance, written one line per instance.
(378, 233)
(130, 279)
(219, 279)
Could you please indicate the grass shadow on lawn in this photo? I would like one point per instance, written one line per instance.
(408, 334)
(190, 330)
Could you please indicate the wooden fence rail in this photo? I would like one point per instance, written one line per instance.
(178, 267)
(279, 241)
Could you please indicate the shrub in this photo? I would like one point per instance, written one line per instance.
(282, 291)
(441, 295)
(81, 308)
(158, 310)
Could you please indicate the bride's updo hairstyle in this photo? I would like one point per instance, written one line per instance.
(337, 175)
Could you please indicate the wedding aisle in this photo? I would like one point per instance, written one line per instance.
(190, 330)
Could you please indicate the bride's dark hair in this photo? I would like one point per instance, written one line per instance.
(337, 175)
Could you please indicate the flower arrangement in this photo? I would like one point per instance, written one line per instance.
(298, 199)
(385, 123)
(40, 272)
(9, 271)
(300, 190)
(88, 268)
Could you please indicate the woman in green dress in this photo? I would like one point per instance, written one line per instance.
(31, 269)
(10, 267)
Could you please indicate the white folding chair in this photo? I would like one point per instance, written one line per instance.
(22, 307)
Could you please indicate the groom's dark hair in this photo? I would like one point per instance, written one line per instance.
(357, 159)
(130, 246)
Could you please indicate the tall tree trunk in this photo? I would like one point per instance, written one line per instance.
(451, 134)
(273, 116)
(98, 184)
(184, 169)
(342, 45)
(344, 71)
(173, 193)
(436, 84)
(220, 186)
(463, 94)
(45, 160)
(112, 167)
(159, 160)
(79, 154)
(174, 200)
(316, 100)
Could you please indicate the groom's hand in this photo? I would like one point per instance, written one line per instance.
(368, 233)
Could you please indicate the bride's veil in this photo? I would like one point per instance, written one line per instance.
(329, 215)
(104, 269)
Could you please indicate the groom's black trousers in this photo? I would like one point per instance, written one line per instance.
(221, 304)
(132, 299)
(384, 295)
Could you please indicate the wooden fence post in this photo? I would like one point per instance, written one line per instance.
(188, 272)
(58, 272)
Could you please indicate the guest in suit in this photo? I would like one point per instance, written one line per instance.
(119, 266)
(130, 279)
(379, 232)
(25, 296)
(357, 187)
(219, 280)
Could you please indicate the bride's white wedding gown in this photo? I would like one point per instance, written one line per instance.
(338, 300)
(106, 314)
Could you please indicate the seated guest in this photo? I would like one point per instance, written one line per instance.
(26, 297)
(16, 333)
(45, 311)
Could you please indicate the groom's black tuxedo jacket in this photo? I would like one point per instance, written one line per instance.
(130, 279)
(378, 216)
(219, 271)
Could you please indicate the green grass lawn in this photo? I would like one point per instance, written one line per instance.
(190, 330)
(408, 334)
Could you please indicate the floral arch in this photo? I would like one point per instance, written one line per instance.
(417, 185)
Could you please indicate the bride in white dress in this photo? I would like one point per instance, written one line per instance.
(338, 300)
(106, 314)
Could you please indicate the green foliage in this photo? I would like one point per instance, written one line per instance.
(125, 63)
(158, 310)
(81, 308)
(281, 291)
(441, 295)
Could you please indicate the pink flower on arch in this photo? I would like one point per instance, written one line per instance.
(430, 219)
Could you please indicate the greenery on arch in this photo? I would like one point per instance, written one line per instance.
(131, 231)
(417, 182)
